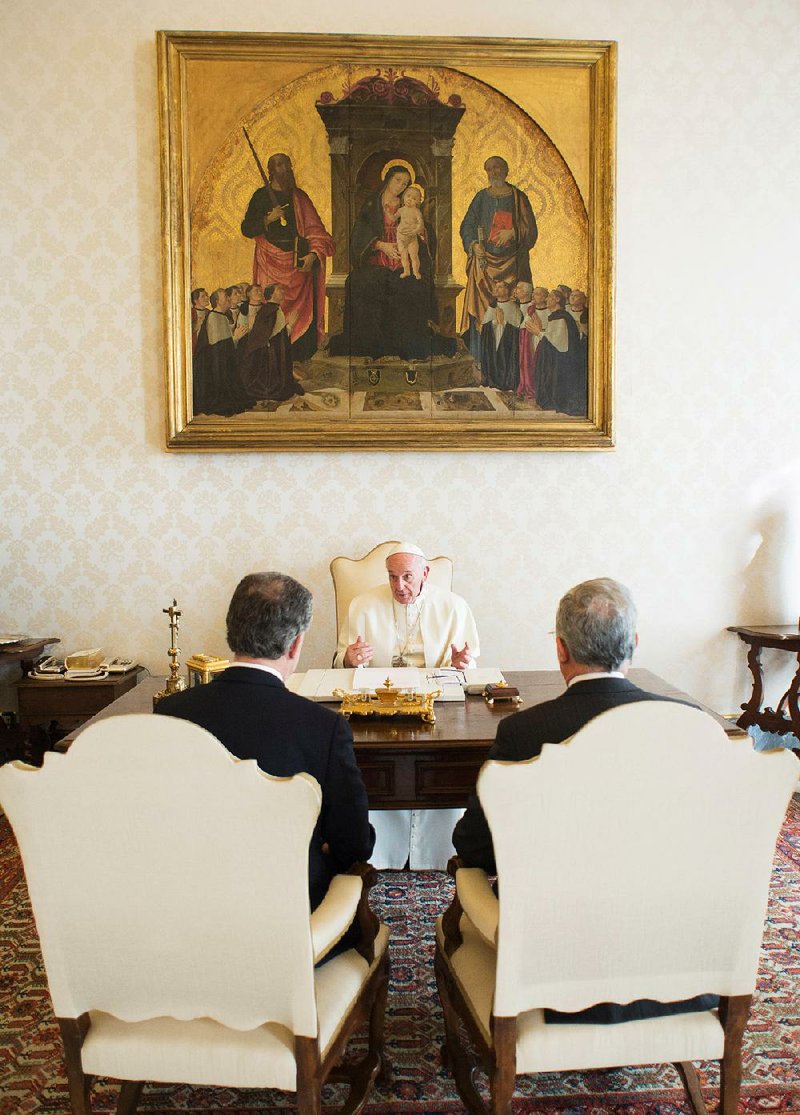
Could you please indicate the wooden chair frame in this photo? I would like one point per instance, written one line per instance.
(313, 1071)
(498, 1059)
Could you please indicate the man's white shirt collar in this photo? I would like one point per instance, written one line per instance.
(594, 676)
(258, 666)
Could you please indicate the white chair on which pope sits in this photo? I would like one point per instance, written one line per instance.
(169, 882)
(633, 863)
(432, 828)
(352, 576)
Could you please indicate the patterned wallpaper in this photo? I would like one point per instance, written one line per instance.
(698, 507)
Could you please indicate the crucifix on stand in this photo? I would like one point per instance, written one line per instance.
(174, 683)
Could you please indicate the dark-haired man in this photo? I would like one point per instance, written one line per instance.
(250, 710)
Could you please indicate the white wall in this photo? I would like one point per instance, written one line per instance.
(697, 509)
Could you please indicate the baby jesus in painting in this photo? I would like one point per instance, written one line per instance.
(410, 225)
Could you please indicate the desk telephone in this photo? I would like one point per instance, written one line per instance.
(55, 667)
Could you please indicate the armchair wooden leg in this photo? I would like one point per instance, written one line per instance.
(463, 1068)
(691, 1082)
(733, 1013)
(309, 1076)
(129, 1097)
(377, 1027)
(73, 1031)
(503, 1078)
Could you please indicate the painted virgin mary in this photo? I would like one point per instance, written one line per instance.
(386, 314)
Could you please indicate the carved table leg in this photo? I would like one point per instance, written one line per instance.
(750, 714)
(791, 699)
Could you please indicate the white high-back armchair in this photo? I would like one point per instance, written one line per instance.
(633, 863)
(352, 576)
(169, 883)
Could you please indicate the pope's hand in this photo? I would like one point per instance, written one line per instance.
(358, 653)
(460, 658)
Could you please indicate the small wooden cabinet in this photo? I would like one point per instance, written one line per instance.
(61, 706)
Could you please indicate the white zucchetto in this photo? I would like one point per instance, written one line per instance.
(406, 548)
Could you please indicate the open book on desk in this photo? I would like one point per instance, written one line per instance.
(318, 685)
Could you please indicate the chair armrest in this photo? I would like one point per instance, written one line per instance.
(346, 898)
(479, 902)
(332, 918)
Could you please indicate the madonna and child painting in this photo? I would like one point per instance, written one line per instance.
(388, 248)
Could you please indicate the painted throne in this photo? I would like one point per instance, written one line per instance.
(384, 118)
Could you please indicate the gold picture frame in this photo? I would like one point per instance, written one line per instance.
(361, 119)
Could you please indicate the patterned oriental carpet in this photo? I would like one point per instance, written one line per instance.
(32, 1079)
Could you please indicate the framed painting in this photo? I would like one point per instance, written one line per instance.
(387, 243)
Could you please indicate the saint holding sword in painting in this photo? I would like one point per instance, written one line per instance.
(291, 246)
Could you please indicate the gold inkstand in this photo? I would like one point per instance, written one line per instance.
(389, 700)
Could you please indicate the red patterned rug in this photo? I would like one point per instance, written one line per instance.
(32, 1080)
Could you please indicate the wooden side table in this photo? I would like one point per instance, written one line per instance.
(61, 706)
(786, 717)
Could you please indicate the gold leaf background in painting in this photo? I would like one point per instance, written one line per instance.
(491, 125)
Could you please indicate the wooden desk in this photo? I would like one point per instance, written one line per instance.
(409, 763)
(786, 717)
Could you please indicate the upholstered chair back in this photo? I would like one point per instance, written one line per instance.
(150, 855)
(634, 861)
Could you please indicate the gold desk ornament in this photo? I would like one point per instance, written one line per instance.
(388, 700)
(201, 668)
(175, 684)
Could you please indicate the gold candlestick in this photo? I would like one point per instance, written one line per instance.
(174, 683)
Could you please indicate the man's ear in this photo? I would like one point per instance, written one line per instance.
(562, 651)
(425, 573)
(296, 647)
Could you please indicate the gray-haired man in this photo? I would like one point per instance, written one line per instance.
(595, 640)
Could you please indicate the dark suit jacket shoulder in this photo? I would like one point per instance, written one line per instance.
(254, 716)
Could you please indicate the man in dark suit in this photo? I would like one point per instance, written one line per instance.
(595, 640)
(250, 710)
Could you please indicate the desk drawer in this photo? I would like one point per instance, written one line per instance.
(439, 781)
(403, 779)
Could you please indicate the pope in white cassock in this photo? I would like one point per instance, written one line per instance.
(409, 623)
